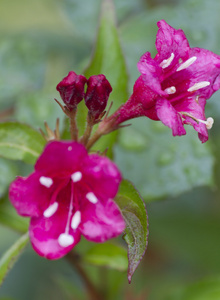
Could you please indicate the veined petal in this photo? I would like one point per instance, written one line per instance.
(29, 196)
(60, 158)
(170, 40)
(101, 222)
(169, 116)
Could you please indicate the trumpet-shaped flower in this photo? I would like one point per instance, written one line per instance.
(69, 194)
(175, 84)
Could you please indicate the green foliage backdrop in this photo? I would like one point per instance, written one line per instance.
(179, 178)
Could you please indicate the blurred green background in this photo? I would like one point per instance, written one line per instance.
(40, 42)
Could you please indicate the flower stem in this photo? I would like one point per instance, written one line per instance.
(94, 139)
(89, 126)
(92, 291)
(73, 125)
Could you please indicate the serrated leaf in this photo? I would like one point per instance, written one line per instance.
(163, 165)
(108, 59)
(109, 255)
(11, 255)
(136, 234)
(20, 142)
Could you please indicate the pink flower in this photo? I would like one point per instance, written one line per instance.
(175, 85)
(68, 195)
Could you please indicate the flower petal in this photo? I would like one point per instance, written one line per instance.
(60, 158)
(205, 68)
(196, 109)
(101, 175)
(44, 234)
(28, 196)
(170, 40)
(45, 231)
(101, 222)
(170, 117)
(151, 72)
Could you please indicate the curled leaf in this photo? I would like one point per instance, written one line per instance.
(135, 215)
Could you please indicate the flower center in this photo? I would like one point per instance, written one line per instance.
(182, 86)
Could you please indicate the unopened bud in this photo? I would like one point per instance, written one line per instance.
(71, 89)
(97, 94)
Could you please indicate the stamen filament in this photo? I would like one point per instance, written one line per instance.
(209, 122)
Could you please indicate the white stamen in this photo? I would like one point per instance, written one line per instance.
(76, 219)
(77, 176)
(170, 90)
(65, 240)
(209, 122)
(187, 63)
(166, 62)
(46, 181)
(92, 198)
(69, 148)
(198, 86)
(51, 210)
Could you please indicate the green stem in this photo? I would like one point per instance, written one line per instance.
(89, 126)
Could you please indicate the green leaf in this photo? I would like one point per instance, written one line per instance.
(11, 255)
(10, 171)
(108, 59)
(109, 255)
(136, 233)
(10, 218)
(20, 141)
(161, 165)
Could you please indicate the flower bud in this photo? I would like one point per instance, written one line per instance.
(71, 89)
(97, 94)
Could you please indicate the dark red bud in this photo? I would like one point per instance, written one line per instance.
(97, 94)
(71, 89)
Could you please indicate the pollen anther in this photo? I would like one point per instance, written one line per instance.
(166, 62)
(170, 90)
(77, 176)
(76, 219)
(46, 181)
(51, 210)
(92, 197)
(198, 86)
(187, 63)
(65, 240)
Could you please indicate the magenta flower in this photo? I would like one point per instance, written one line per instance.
(69, 194)
(175, 85)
